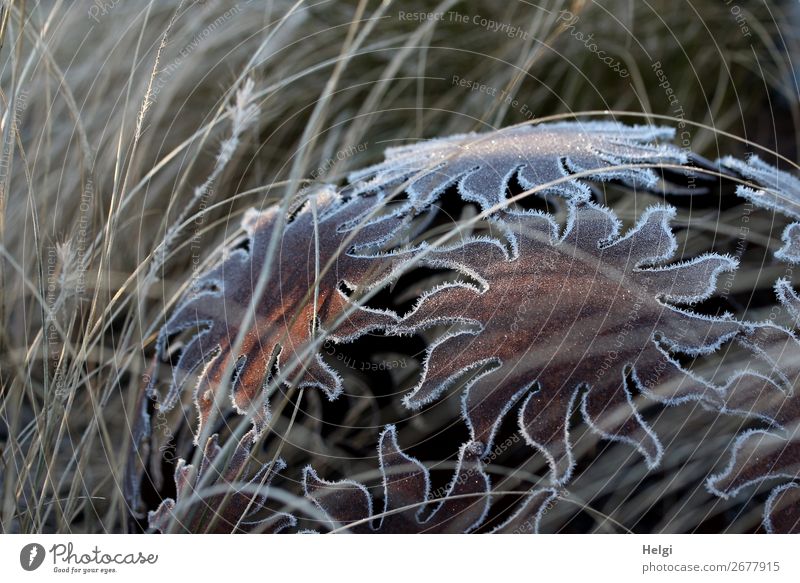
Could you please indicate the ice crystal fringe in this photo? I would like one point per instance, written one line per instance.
(240, 508)
(615, 309)
(483, 165)
(611, 306)
(779, 192)
(283, 324)
(772, 453)
(407, 503)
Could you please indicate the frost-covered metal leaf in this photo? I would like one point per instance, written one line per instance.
(239, 508)
(282, 322)
(782, 509)
(527, 516)
(772, 453)
(761, 455)
(790, 252)
(780, 191)
(789, 299)
(563, 322)
(408, 506)
(482, 165)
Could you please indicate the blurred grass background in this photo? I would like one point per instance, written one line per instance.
(113, 114)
